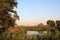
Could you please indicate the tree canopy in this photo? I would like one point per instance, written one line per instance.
(58, 24)
(51, 22)
(8, 16)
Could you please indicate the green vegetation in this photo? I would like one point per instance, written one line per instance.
(8, 16)
(8, 31)
(20, 34)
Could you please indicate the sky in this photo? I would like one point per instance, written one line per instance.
(33, 12)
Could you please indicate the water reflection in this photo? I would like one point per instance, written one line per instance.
(36, 32)
(32, 32)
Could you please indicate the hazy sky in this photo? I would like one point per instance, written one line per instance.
(33, 12)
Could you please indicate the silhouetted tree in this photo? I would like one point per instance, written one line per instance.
(41, 24)
(58, 24)
(51, 22)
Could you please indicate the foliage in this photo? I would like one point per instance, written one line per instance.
(51, 22)
(58, 24)
(8, 16)
(44, 37)
(19, 34)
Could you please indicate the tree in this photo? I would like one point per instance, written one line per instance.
(58, 24)
(51, 22)
(41, 24)
(8, 16)
(52, 25)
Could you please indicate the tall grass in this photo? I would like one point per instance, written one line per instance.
(20, 34)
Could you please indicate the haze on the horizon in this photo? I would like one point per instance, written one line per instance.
(33, 12)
